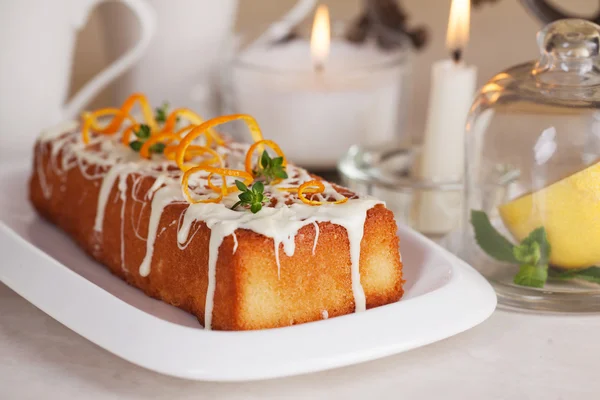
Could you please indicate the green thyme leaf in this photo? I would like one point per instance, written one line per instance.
(532, 276)
(143, 132)
(252, 197)
(136, 145)
(258, 188)
(246, 197)
(265, 160)
(490, 240)
(270, 168)
(161, 113)
(157, 148)
(241, 186)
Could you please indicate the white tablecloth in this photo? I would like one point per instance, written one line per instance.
(510, 356)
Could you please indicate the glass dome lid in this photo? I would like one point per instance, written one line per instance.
(531, 219)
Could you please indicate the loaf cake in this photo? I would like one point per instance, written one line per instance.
(227, 231)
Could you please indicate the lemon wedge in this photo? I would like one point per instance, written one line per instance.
(569, 210)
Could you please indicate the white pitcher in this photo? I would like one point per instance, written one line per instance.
(193, 39)
(37, 39)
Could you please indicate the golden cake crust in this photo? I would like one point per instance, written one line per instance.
(249, 292)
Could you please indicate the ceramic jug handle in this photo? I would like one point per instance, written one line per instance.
(547, 13)
(147, 17)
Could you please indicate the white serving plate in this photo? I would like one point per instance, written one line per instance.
(444, 296)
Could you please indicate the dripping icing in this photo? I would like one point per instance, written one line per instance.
(281, 222)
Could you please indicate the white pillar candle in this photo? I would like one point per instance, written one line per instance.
(442, 157)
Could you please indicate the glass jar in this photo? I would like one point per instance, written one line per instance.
(531, 220)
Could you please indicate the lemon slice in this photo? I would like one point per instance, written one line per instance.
(569, 210)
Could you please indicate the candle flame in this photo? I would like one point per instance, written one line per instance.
(458, 26)
(320, 37)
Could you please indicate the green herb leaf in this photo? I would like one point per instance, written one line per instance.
(136, 145)
(258, 187)
(246, 197)
(540, 237)
(265, 160)
(527, 253)
(157, 148)
(252, 197)
(241, 186)
(161, 113)
(270, 168)
(591, 274)
(532, 276)
(143, 132)
(490, 240)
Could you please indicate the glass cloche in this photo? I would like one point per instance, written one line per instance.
(532, 211)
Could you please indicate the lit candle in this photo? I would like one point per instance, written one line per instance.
(442, 158)
(317, 98)
(320, 38)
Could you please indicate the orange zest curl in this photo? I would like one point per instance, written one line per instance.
(271, 144)
(126, 138)
(313, 187)
(224, 172)
(128, 104)
(90, 121)
(193, 151)
(247, 179)
(203, 129)
(193, 119)
(160, 137)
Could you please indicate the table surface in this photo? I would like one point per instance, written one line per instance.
(510, 356)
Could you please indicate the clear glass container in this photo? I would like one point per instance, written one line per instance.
(533, 171)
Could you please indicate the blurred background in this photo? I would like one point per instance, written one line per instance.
(502, 34)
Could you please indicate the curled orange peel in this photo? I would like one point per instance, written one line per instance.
(315, 187)
(224, 172)
(126, 138)
(90, 121)
(167, 137)
(193, 119)
(193, 151)
(203, 129)
(255, 145)
(126, 107)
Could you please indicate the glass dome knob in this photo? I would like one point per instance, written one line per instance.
(569, 46)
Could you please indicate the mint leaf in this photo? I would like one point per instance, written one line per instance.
(528, 253)
(591, 274)
(540, 237)
(490, 240)
(532, 276)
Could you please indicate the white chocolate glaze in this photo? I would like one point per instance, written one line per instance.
(113, 164)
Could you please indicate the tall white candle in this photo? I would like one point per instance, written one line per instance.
(442, 158)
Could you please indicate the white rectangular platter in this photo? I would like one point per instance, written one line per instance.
(443, 297)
